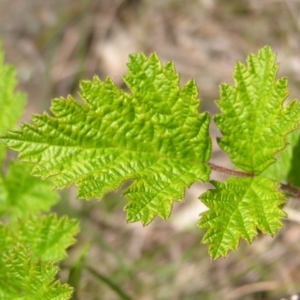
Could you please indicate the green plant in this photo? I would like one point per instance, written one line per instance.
(156, 137)
(31, 243)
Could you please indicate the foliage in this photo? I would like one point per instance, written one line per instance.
(11, 102)
(29, 250)
(47, 236)
(17, 202)
(30, 244)
(254, 124)
(238, 208)
(253, 120)
(155, 137)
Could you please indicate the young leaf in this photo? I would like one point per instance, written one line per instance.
(21, 278)
(253, 120)
(240, 207)
(20, 193)
(11, 102)
(154, 136)
(254, 123)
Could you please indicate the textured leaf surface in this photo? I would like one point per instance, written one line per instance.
(11, 102)
(240, 207)
(21, 193)
(253, 119)
(154, 136)
(29, 248)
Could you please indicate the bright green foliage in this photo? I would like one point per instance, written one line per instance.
(11, 102)
(254, 124)
(29, 248)
(253, 120)
(238, 208)
(154, 136)
(20, 193)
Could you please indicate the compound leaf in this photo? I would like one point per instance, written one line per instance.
(239, 207)
(11, 102)
(154, 136)
(253, 119)
(20, 193)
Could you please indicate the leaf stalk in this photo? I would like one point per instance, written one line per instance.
(284, 187)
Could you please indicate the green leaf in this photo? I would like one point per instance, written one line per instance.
(255, 123)
(11, 102)
(253, 119)
(293, 175)
(154, 136)
(286, 169)
(21, 193)
(21, 278)
(239, 207)
(48, 237)
(29, 248)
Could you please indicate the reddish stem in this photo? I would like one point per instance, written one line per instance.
(229, 171)
(290, 189)
(284, 187)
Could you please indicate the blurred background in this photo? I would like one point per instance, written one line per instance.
(56, 43)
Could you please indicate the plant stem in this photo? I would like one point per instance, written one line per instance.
(290, 189)
(229, 171)
(109, 282)
(284, 187)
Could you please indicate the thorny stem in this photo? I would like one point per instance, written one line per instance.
(284, 187)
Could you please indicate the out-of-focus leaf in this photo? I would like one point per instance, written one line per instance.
(11, 102)
(21, 193)
(29, 250)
